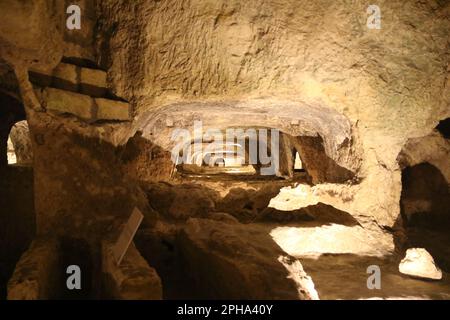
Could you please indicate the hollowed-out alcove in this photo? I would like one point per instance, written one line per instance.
(425, 198)
(425, 202)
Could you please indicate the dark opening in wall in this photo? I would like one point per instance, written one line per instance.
(425, 198)
(444, 128)
(252, 155)
(76, 252)
(17, 215)
(11, 112)
(296, 158)
(17, 218)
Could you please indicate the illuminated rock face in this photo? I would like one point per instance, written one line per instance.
(419, 263)
(236, 51)
(359, 106)
(21, 143)
(332, 239)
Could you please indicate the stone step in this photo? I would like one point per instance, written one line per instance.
(112, 110)
(65, 76)
(73, 78)
(83, 106)
(93, 82)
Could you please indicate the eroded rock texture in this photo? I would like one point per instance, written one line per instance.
(360, 106)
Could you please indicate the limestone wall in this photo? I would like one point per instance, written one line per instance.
(392, 84)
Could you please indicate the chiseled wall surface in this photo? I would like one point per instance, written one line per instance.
(392, 84)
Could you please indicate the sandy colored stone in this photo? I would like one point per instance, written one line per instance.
(36, 274)
(65, 77)
(432, 148)
(218, 255)
(93, 82)
(391, 86)
(112, 110)
(419, 263)
(61, 101)
(332, 239)
(21, 140)
(31, 32)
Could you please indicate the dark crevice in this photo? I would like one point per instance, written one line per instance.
(444, 128)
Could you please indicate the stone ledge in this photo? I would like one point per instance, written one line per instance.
(65, 76)
(71, 77)
(60, 102)
(112, 110)
(93, 82)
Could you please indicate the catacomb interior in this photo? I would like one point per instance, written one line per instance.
(271, 149)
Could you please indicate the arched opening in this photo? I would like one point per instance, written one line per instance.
(243, 156)
(425, 202)
(20, 151)
(425, 198)
(17, 216)
(261, 156)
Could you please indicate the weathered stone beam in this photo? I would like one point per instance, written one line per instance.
(134, 279)
(83, 106)
(65, 76)
(73, 78)
(93, 82)
(112, 110)
(60, 102)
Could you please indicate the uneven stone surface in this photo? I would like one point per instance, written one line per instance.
(36, 273)
(269, 49)
(134, 279)
(305, 285)
(332, 239)
(419, 263)
(433, 148)
(361, 103)
(217, 255)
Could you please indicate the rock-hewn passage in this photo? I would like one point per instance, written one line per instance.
(288, 149)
